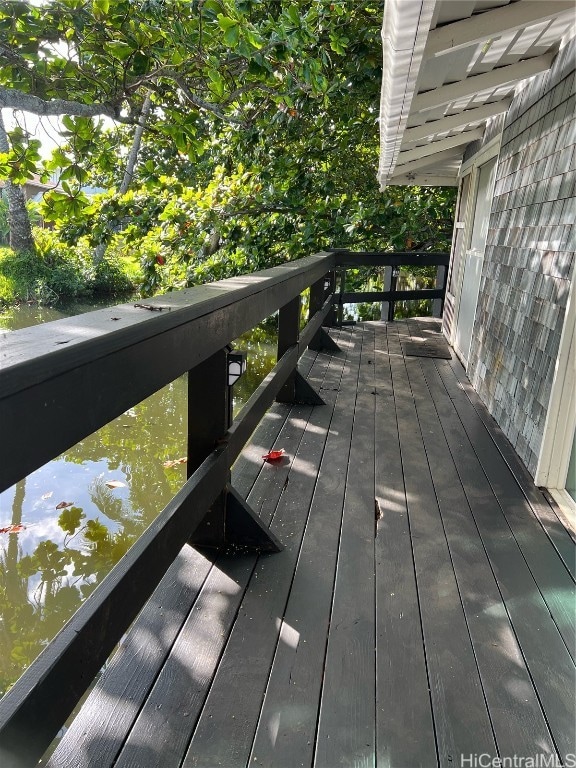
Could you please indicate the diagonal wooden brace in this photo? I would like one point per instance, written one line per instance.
(304, 393)
(323, 342)
(233, 526)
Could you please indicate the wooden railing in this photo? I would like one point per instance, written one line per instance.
(61, 381)
(392, 263)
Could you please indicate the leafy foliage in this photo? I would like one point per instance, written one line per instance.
(262, 141)
(56, 271)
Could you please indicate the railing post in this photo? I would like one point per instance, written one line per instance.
(438, 304)
(229, 521)
(386, 286)
(342, 288)
(208, 422)
(331, 317)
(296, 389)
(288, 333)
(318, 292)
(393, 282)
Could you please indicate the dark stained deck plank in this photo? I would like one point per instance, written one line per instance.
(286, 730)
(461, 719)
(346, 720)
(553, 578)
(162, 730)
(546, 655)
(457, 383)
(97, 733)
(404, 724)
(249, 464)
(109, 713)
(505, 678)
(225, 730)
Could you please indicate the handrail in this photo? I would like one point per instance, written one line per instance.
(62, 381)
(74, 375)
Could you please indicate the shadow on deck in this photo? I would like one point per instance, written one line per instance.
(421, 613)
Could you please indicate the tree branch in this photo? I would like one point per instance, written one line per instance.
(12, 98)
(200, 103)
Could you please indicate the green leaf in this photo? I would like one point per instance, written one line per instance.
(255, 40)
(118, 49)
(294, 15)
(226, 22)
(232, 36)
(101, 6)
(68, 123)
(176, 58)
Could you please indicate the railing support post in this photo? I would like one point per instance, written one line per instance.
(331, 317)
(386, 286)
(229, 523)
(393, 283)
(438, 304)
(296, 389)
(321, 340)
(341, 289)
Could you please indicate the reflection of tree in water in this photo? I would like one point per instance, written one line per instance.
(41, 591)
(260, 343)
(15, 610)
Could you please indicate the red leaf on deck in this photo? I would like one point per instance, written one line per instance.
(13, 529)
(273, 455)
(64, 504)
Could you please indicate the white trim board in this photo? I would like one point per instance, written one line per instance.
(484, 154)
(566, 508)
(561, 416)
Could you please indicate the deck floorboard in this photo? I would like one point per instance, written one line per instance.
(404, 722)
(421, 612)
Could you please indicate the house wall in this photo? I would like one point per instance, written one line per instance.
(529, 258)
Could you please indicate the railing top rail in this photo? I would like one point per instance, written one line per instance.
(31, 355)
(346, 258)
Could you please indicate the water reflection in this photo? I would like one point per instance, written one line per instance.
(82, 511)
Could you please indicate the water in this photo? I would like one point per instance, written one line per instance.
(82, 511)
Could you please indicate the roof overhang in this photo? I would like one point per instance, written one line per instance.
(449, 66)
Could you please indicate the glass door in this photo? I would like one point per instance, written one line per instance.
(474, 259)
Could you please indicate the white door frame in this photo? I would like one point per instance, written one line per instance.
(561, 416)
(472, 167)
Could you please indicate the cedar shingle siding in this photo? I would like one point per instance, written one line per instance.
(529, 258)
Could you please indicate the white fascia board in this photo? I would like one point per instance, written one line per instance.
(478, 114)
(404, 34)
(481, 27)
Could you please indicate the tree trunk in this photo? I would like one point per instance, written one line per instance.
(18, 219)
(100, 250)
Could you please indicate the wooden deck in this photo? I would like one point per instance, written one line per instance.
(422, 612)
